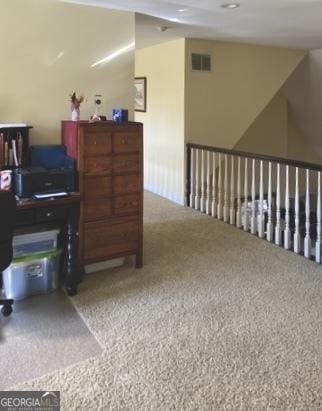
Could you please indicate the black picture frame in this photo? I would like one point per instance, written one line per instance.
(140, 94)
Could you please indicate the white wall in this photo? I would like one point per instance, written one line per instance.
(304, 92)
(46, 52)
(163, 65)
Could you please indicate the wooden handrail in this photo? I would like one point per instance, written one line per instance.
(280, 160)
(277, 217)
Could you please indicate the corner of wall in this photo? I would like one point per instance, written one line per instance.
(164, 128)
(268, 134)
(300, 147)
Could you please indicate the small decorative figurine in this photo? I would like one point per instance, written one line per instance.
(97, 102)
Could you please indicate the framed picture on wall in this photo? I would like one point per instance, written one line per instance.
(140, 94)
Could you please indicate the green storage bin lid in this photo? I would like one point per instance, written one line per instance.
(36, 256)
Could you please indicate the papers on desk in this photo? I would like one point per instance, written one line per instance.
(12, 125)
(39, 196)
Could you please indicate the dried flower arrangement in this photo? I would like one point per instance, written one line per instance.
(76, 101)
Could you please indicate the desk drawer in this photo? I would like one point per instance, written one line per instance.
(25, 217)
(51, 214)
(104, 239)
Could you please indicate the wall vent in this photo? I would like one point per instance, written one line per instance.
(200, 62)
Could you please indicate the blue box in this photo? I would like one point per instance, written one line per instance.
(120, 115)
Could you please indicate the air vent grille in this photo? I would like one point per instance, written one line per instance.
(200, 62)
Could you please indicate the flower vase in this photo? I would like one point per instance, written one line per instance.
(75, 115)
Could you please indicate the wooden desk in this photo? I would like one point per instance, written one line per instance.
(63, 212)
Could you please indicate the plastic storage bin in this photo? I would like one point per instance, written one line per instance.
(31, 275)
(31, 243)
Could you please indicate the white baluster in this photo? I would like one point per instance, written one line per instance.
(297, 235)
(287, 231)
(246, 217)
(192, 178)
(307, 240)
(208, 201)
(203, 197)
(219, 206)
(226, 210)
(253, 218)
(213, 204)
(278, 231)
(238, 214)
(269, 234)
(261, 202)
(197, 195)
(318, 222)
(232, 216)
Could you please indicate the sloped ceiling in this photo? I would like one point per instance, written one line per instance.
(283, 23)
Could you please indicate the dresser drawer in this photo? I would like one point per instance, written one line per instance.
(97, 210)
(104, 239)
(98, 143)
(127, 184)
(98, 165)
(126, 205)
(126, 163)
(97, 187)
(126, 142)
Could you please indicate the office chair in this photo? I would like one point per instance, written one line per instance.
(7, 223)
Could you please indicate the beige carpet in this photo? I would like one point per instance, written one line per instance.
(216, 320)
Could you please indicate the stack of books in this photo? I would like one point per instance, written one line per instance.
(11, 145)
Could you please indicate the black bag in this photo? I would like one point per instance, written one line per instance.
(7, 223)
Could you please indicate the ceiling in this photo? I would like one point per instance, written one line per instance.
(285, 23)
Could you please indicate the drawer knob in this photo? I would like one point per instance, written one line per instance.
(49, 213)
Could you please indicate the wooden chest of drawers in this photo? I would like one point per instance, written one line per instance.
(110, 169)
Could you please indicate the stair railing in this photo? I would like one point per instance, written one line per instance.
(273, 198)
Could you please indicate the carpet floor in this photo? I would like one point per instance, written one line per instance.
(44, 334)
(216, 320)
